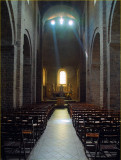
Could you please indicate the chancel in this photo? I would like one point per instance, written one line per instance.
(60, 80)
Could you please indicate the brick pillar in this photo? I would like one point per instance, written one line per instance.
(88, 66)
(19, 61)
(115, 76)
(103, 61)
(34, 54)
(39, 71)
(95, 71)
(114, 51)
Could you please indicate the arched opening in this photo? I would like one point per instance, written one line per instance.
(26, 71)
(60, 11)
(7, 59)
(62, 77)
(95, 71)
(6, 29)
(63, 51)
(115, 59)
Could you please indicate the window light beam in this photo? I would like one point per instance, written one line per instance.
(70, 22)
(53, 22)
(61, 21)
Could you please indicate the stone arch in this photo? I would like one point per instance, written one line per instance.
(12, 20)
(93, 37)
(29, 41)
(91, 48)
(27, 71)
(63, 10)
(110, 20)
(95, 71)
(7, 58)
(114, 48)
(6, 26)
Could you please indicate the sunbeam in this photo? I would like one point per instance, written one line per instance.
(56, 47)
(80, 42)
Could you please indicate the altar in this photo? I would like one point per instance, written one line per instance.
(61, 92)
(65, 95)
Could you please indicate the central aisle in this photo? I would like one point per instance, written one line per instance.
(59, 141)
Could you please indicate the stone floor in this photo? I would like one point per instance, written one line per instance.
(59, 141)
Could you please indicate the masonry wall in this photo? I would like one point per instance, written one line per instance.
(23, 17)
(52, 86)
(99, 20)
(20, 18)
(7, 59)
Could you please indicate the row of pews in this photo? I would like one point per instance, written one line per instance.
(98, 129)
(21, 128)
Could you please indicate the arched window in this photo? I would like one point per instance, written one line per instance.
(62, 77)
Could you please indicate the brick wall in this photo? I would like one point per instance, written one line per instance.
(101, 80)
(100, 17)
(22, 19)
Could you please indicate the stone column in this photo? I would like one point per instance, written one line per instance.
(19, 62)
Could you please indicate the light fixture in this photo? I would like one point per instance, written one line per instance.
(70, 22)
(53, 22)
(61, 21)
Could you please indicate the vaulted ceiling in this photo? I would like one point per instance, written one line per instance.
(61, 45)
(76, 5)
